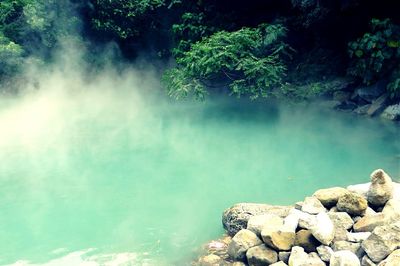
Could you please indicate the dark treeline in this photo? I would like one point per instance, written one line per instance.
(252, 47)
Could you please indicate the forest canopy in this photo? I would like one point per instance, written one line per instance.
(250, 48)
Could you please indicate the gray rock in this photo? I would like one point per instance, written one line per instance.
(383, 241)
(340, 234)
(261, 255)
(391, 211)
(369, 222)
(324, 252)
(362, 110)
(370, 93)
(366, 261)
(241, 242)
(392, 260)
(297, 256)
(353, 247)
(284, 256)
(312, 205)
(360, 189)
(211, 260)
(277, 237)
(329, 196)
(323, 230)
(257, 222)
(352, 203)
(357, 237)
(344, 258)
(378, 105)
(341, 219)
(306, 240)
(392, 112)
(235, 218)
(381, 189)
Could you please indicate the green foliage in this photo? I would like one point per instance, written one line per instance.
(377, 53)
(191, 28)
(248, 60)
(125, 19)
(10, 55)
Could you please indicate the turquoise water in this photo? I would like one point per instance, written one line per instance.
(116, 178)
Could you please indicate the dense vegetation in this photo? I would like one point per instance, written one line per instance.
(253, 48)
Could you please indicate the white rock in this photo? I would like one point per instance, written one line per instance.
(312, 205)
(357, 237)
(257, 222)
(344, 258)
(325, 252)
(323, 230)
(241, 242)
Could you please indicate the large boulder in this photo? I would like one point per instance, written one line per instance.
(392, 260)
(323, 229)
(352, 203)
(369, 222)
(261, 255)
(392, 112)
(329, 196)
(306, 240)
(344, 258)
(383, 241)
(300, 258)
(312, 205)
(381, 189)
(241, 242)
(236, 217)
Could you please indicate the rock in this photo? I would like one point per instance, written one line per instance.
(344, 258)
(381, 189)
(341, 96)
(392, 260)
(369, 222)
(306, 240)
(291, 221)
(353, 247)
(340, 234)
(360, 189)
(241, 242)
(378, 105)
(312, 205)
(211, 260)
(261, 255)
(324, 252)
(238, 263)
(257, 222)
(370, 93)
(329, 196)
(383, 241)
(366, 261)
(341, 219)
(392, 112)
(297, 256)
(362, 110)
(278, 237)
(346, 106)
(369, 211)
(357, 237)
(298, 205)
(352, 203)
(284, 256)
(323, 230)
(333, 209)
(279, 263)
(235, 218)
(391, 211)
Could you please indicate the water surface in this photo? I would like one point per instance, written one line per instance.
(114, 178)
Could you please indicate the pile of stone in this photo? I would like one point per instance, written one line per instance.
(357, 225)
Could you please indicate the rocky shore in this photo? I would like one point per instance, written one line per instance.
(357, 225)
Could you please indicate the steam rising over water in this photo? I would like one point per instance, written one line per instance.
(105, 170)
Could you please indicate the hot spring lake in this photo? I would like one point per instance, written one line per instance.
(118, 179)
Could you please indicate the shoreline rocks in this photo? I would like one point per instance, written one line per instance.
(357, 225)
